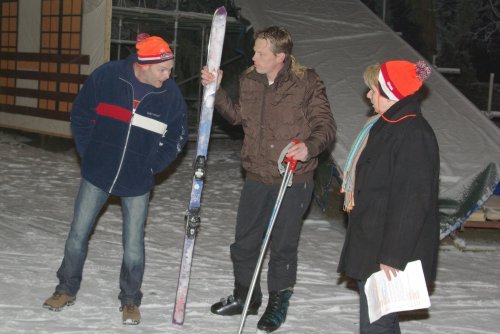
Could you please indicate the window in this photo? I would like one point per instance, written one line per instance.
(60, 34)
(8, 43)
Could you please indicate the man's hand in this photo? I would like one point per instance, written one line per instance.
(388, 270)
(298, 152)
(207, 77)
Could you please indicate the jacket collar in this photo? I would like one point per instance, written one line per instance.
(284, 73)
(127, 71)
(406, 106)
(282, 76)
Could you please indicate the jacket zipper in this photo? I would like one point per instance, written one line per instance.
(261, 125)
(128, 131)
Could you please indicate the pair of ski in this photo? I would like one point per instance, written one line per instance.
(193, 220)
(214, 55)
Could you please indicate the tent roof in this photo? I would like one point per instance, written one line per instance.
(339, 39)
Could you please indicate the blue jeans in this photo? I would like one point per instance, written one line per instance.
(88, 204)
(388, 324)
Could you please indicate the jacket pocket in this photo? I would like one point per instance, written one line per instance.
(286, 117)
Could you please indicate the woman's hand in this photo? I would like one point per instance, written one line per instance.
(388, 270)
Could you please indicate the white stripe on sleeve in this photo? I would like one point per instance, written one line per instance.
(149, 124)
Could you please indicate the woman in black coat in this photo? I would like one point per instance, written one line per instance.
(391, 181)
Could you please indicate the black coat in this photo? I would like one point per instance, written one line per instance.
(395, 217)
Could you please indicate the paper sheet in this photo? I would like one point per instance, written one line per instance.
(407, 291)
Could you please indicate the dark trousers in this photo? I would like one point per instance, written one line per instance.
(388, 324)
(254, 212)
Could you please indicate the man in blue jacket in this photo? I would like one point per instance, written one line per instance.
(129, 122)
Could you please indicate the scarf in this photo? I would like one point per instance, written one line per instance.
(352, 160)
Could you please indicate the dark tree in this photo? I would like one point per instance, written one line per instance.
(463, 34)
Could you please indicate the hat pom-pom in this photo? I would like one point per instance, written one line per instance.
(423, 70)
(142, 36)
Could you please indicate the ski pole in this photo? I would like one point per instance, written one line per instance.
(287, 180)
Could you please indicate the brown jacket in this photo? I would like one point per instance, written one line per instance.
(294, 107)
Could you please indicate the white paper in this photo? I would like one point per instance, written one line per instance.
(407, 291)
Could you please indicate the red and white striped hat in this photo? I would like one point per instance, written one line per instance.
(399, 78)
(152, 50)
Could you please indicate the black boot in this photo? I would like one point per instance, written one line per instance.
(276, 309)
(235, 303)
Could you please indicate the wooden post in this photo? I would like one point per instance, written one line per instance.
(490, 91)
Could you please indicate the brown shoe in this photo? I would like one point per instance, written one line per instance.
(130, 314)
(58, 300)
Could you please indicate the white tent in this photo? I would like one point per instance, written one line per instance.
(339, 39)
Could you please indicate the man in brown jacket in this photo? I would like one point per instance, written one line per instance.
(279, 100)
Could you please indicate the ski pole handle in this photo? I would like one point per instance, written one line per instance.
(284, 160)
(292, 162)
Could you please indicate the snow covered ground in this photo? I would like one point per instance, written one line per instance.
(37, 190)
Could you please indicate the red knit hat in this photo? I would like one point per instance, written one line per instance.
(399, 78)
(152, 50)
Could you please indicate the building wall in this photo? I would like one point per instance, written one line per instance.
(47, 50)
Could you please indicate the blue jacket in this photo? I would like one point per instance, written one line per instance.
(122, 150)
